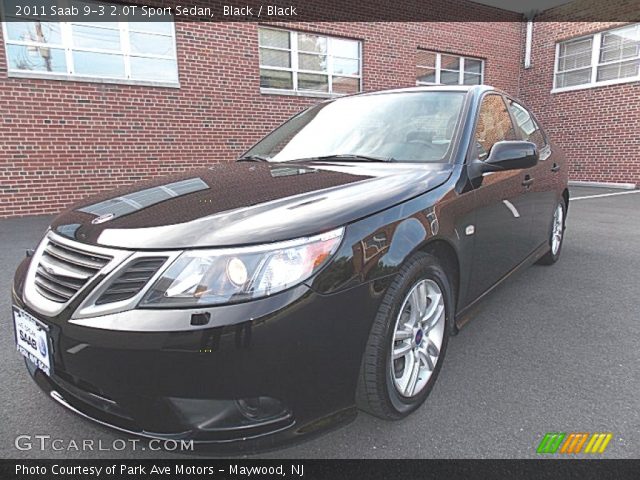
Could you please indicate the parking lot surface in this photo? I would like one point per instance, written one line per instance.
(555, 349)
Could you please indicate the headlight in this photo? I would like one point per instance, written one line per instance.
(210, 277)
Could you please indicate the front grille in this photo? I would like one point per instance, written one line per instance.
(62, 270)
(131, 279)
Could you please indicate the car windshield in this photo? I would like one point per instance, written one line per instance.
(402, 127)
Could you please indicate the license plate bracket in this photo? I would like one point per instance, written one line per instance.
(32, 339)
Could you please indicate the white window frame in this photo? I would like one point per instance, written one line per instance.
(68, 47)
(438, 68)
(293, 52)
(595, 63)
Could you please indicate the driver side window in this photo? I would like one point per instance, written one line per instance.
(494, 125)
(529, 129)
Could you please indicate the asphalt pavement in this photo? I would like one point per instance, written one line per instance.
(556, 349)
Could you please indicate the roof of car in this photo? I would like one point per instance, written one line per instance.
(435, 88)
(474, 89)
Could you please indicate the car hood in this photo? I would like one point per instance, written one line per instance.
(243, 203)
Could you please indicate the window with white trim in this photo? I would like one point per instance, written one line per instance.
(604, 58)
(304, 62)
(443, 68)
(112, 51)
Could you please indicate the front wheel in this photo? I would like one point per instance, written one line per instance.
(556, 235)
(408, 340)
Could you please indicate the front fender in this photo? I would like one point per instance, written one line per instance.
(375, 248)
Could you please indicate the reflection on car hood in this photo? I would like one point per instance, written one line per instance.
(244, 203)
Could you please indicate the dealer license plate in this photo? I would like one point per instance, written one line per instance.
(32, 339)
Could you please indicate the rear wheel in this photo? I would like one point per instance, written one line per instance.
(408, 340)
(556, 235)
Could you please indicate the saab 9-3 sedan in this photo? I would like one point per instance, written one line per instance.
(261, 300)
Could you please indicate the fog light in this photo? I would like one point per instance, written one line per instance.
(260, 408)
(241, 415)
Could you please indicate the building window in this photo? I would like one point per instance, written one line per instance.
(307, 63)
(442, 68)
(603, 58)
(105, 51)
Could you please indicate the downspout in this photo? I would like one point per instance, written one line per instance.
(528, 40)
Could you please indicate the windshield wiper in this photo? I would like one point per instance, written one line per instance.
(253, 158)
(348, 157)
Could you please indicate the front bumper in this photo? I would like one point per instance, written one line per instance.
(302, 360)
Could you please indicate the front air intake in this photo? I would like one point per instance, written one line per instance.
(131, 280)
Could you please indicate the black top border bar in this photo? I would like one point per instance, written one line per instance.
(310, 11)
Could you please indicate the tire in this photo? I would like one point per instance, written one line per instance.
(381, 377)
(553, 254)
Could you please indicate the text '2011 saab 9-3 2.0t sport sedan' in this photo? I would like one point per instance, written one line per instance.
(258, 301)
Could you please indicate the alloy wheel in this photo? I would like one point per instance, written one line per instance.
(417, 339)
(558, 226)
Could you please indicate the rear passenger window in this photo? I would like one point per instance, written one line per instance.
(494, 125)
(527, 127)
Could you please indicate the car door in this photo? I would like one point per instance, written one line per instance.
(503, 205)
(546, 174)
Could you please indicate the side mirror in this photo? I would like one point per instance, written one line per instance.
(511, 155)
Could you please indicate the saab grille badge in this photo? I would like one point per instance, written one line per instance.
(103, 218)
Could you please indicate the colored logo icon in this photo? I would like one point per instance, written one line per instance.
(42, 346)
(573, 443)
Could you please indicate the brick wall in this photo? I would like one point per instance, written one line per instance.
(62, 141)
(596, 127)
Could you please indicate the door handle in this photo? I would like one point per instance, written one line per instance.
(528, 181)
(555, 168)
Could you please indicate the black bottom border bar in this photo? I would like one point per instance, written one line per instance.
(220, 469)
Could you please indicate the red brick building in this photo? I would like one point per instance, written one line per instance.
(596, 118)
(87, 108)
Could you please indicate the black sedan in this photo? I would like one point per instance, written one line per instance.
(262, 300)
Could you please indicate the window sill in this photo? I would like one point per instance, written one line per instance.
(297, 93)
(88, 79)
(585, 86)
